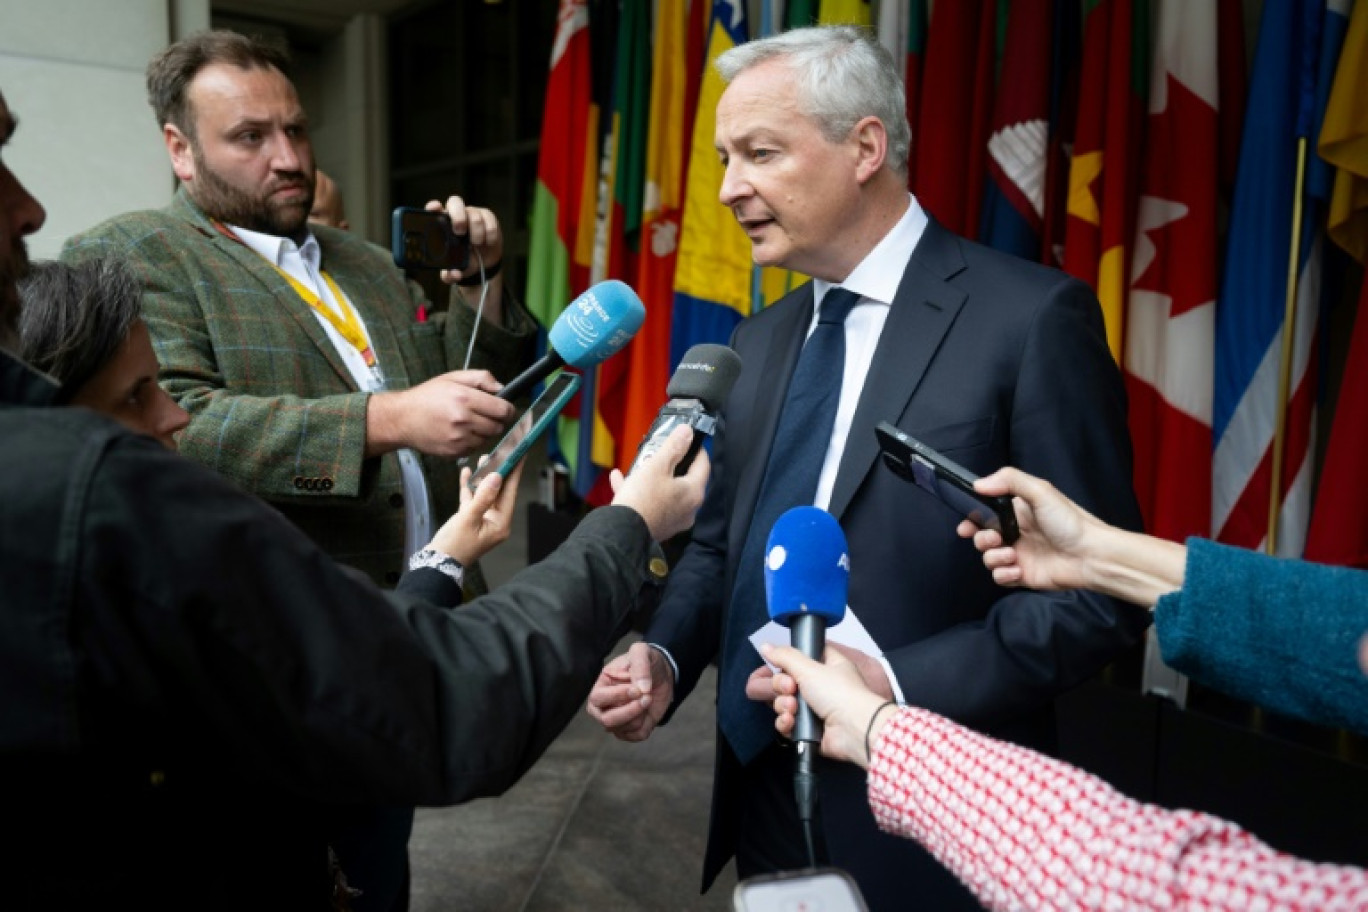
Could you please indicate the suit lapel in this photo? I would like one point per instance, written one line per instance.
(923, 310)
(270, 279)
(780, 358)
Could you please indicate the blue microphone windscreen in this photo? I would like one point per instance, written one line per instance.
(597, 324)
(807, 569)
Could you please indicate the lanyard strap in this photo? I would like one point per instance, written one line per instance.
(347, 324)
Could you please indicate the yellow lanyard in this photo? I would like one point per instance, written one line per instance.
(347, 324)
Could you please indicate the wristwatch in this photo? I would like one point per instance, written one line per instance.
(442, 563)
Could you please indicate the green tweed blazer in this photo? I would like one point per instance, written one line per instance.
(272, 405)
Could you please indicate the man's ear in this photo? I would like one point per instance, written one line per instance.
(871, 147)
(182, 155)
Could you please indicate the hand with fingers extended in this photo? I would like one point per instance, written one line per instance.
(632, 693)
(484, 519)
(1063, 546)
(450, 415)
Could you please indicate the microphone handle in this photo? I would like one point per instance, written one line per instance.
(807, 634)
(523, 383)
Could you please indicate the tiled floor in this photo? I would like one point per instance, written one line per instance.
(597, 824)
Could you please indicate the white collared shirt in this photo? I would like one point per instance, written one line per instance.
(303, 264)
(875, 280)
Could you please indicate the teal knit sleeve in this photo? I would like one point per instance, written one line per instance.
(1279, 633)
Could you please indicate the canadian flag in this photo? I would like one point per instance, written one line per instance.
(1171, 318)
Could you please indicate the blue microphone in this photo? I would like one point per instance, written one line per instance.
(807, 574)
(595, 326)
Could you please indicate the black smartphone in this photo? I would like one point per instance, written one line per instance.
(830, 889)
(421, 239)
(949, 482)
(530, 425)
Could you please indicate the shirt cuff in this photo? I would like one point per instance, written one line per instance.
(674, 668)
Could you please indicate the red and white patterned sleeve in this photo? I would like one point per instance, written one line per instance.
(1023, 831)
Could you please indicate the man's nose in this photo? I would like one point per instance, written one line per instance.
(734, 185)
(289, 154)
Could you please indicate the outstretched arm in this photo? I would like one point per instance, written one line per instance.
(1024, 831)
(1063, 546)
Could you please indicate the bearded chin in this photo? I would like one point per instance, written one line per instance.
(229, 204)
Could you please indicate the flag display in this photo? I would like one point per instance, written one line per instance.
(1104, 174)
(1252, 404)
(618, 240)
(1339, 523)
(844, 12)
(1344, 139)
(950, 136)
(1018, 147)
(917, 28)
(556, 270)
(713, 272)
(1338, 532)
(1129, 141)
(1171, 314)
(648, 356)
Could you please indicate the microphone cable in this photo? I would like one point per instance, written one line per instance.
(805, 793)
(479, 309)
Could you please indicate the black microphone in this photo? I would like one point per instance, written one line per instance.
(697, 391)
(807, 575)
(594, 326)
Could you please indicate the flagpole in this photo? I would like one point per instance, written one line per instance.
(1285, 368)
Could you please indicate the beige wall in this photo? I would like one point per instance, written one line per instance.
(88, 147)
(73, 71)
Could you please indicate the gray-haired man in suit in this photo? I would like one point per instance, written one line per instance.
(983, 356)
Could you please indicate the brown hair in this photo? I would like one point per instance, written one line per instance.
(170, 72)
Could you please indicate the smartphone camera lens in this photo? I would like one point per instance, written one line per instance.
(897, 467)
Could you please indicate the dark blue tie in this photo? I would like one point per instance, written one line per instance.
(795, 462)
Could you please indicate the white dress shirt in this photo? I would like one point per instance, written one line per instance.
(875, 280)
(302, 263)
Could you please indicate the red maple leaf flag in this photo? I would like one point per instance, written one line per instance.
(1171, 313)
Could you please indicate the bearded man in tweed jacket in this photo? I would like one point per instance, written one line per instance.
(353, 436)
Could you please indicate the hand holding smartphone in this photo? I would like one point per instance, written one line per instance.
(947, 481)
(530, 425)
(424, 239)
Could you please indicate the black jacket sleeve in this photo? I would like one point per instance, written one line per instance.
(201, 611)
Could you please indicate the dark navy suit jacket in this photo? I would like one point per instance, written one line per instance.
(993, 361)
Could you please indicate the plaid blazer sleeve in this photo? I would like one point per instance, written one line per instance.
(227, 354)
